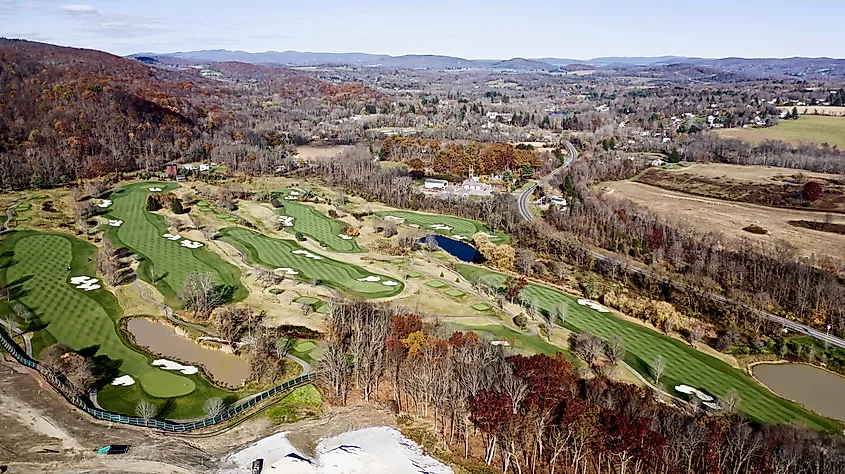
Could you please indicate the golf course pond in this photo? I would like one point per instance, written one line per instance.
(460, 250)
(815, 388)
(162, 339)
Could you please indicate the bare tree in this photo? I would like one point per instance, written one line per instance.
(525, 260)
(696, 334)
(658, 367)
(390, 228)
(214, 406)
(200, 293)
(614, 349)
(729, 404)
(146, 410)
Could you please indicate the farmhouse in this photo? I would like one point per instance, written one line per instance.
(436, 184)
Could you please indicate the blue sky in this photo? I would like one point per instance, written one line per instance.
(467, 28)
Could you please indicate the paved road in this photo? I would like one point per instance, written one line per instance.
(10, 213)
(523, 198)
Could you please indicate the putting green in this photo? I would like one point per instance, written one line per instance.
(414, 275)
(142, 232)
(78, 318)
(435, 283)
(481, 307)
(309, 300)
(304, 346)
(277, 253)
(460, 227)
(317, 226)
(455, 293)
(686, 365)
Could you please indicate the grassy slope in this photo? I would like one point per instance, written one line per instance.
(276, 253)
(75, 317)
(686, 365)
(142, 231)
(520, 343)
(318, 226)
(460, 226)
(808, 128)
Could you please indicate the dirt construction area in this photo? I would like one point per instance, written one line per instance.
(729, 218)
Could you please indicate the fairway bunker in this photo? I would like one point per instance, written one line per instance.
(191, 244)
(123, 381)
(371, 279)
(170, 365)
(306, 254)
(115, 222)
(593, 305)
(172, 237)
(287, 271)
(687, 390)
(389, 283)
(155, 190)
(286, 221)
(344, 237)
(105, 203)
(440, 227)
(85, 283)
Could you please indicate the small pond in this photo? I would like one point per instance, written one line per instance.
(460, 250)
(816, 389)
(162, 339)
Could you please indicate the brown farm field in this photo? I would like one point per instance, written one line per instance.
(729, 218)
(817, 110)
(775, 187)
(817, 129)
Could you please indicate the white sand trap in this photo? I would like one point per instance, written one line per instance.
(286, 221)
(115, 222)
(85, 283)
(593, 305)
(306, 254)
(89, 287)
(77, 280)
(394, 218)
(123, 381)
(712, 406)
(378, 450)
(155, 190)
(105, 203)
(500, 343)
(291, 198)
(459, 237)
(173, 237)
(170, 365)
(686, 389)
(294, 193)
(287, 270)
(389, 283)
(371, 279)
(191, 244)
(440, 227)
(344, 236)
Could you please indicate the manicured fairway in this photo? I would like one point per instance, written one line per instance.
(78, 318)
(524, 344)
(685, 364)
(460, 227)
(142, 232)
(317, 226)
(277, 253)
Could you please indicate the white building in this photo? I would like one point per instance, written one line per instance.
(436, 184)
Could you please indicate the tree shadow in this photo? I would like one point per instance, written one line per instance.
(106, 369)
(227, 293)
(166, 408)
(89, 351)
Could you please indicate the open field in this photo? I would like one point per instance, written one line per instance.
(729, 218)
(685, 364)
(36, 266)
(774, 187)
(817, 110)
(317, 226)
(277, 253)
(809, 128)
(320, 152)
(465, 228)
(141, 232)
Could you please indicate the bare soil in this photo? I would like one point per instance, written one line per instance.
(729, 218)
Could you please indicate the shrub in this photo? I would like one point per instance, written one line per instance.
(521, 321)
(176, 206)
(755, 229)
(153, 204)
(300, 236)
(812, 191)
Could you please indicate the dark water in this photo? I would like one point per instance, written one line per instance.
(462, 251)
(816, 389)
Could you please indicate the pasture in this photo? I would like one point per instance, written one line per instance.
(461, 229)
(686, 365)
(816, 129)
(35, 265)
(310, 267)
(317, 226)
(141, 233)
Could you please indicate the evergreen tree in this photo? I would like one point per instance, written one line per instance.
(152, 203)
(176, 206)
(795, 113)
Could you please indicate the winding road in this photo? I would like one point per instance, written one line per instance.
(523, 198)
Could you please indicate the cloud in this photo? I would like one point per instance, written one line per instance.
(112, 24)
(77, 9)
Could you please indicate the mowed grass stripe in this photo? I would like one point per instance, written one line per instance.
(75, 317)
(460, 226)
(317, 226)
(141, 233)
(277, 253)
(685, 364)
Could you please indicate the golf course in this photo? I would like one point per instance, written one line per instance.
(450, 226)
(685, 365)
(164, 262)
(317, 226)
(35, 265)
(305, 265)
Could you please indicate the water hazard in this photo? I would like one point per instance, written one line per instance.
(816, 389)
(162, 339)
(461, 250)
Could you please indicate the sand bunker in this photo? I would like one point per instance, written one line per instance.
(123, 381)
(191, 244)
(500, 343)
(307, 254)
(170, 365)
(440, 227)
(155, 190)
(712, 406)
(686, 389)
(394, 218)
(389, 283)
(115, 222)
(286, 221)
(85, 283)
(344, 236)
(173, 237)
(291, 198)
(371, 279)
(294, 193)
(593, 305)
(287, 270)
(105, 203)
(459, 237)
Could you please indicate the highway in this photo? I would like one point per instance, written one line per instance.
(785, 323)
(523, 198)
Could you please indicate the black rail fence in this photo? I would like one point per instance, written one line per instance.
(170, 426)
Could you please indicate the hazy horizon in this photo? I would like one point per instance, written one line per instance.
(470, 29)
